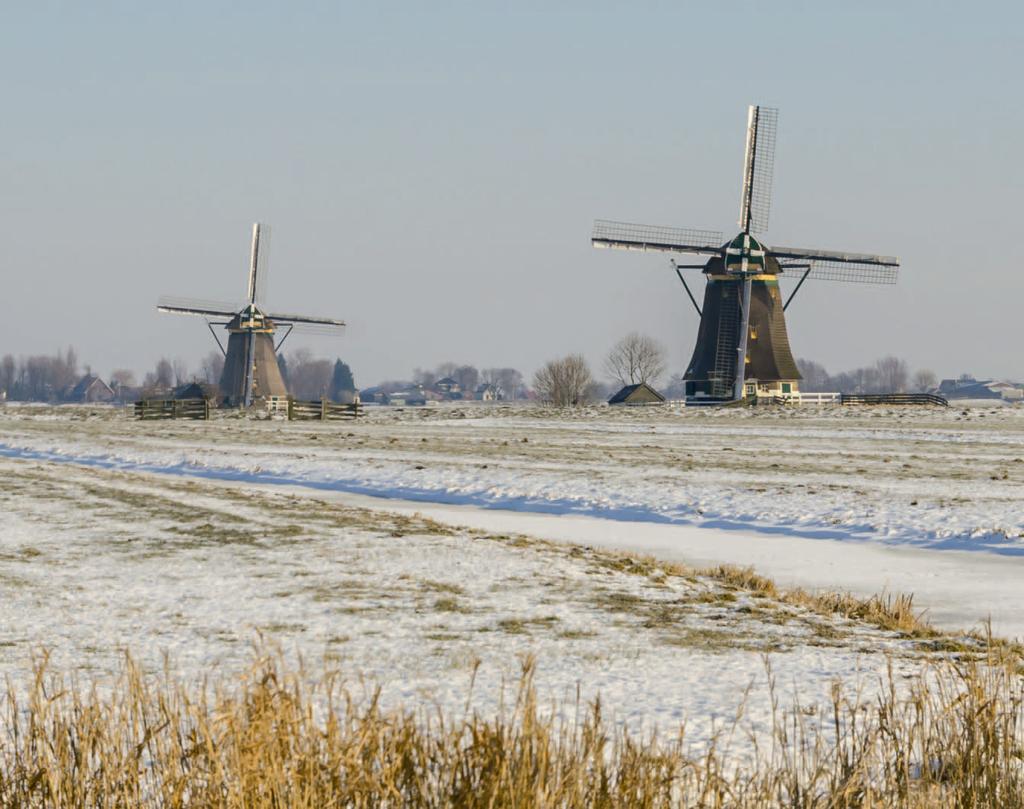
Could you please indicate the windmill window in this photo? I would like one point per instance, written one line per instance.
(753, 333)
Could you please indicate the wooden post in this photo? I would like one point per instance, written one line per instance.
(323, 408)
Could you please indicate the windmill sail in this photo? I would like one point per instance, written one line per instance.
(631, 236)
(308, 325)
(758, 169)
(258, 263)
(305, 319)
(195, 306)
(829, 265)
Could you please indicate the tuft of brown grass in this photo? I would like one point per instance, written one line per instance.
(742, 578)
(892, 612)
(277, 738)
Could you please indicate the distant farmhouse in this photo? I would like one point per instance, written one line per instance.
(967, 387)
(640, 394)
(90, 389)
(375, 395)
(486, 393)
(411, 397)
(448, 388)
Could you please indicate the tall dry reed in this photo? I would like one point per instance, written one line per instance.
(274, 738)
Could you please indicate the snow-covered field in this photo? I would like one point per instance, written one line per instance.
(179, 537)
(934, 478)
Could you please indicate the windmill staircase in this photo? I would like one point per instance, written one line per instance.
(723, 375)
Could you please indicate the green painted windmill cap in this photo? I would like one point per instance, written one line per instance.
(745, 254)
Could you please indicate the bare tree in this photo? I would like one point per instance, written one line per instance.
(39, 377)
(8, 373)
(635, 358)
(892, 375)
(815, 377)
(122, 378)
(424, 377)
(507, 382)
(308, 378)
(564, 383)
(180, 369)
(63, 372)
(164, 374)
(212, 367)
(445, 369)
(510, 383)
(300, 356)
(924, 381)
(676, 387)
(468, 377)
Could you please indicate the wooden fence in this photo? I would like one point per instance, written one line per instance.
(323, 410)
(894, 399)
(817, 397)
(173, 409)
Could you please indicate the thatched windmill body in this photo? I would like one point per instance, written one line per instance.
(251, 372)
(742, 321)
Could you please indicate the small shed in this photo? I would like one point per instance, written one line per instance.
(640, 394)
(197, 390)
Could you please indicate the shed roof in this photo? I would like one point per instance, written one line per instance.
(641, 392)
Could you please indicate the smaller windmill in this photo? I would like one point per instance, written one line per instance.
(742, 346)
(251, 372)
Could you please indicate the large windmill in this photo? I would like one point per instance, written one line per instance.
(742, 325)
(250, 371)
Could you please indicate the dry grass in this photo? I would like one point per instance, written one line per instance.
(888, 611)
(952, 737)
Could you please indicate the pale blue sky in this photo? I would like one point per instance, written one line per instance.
(431, 172)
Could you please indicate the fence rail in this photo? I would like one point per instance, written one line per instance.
(322, 411)
(817, 397)
(894, 399)
(173, 409)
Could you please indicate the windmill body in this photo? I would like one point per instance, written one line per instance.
(711, 371)
(742, 320)
(251, 373)
(250, 335)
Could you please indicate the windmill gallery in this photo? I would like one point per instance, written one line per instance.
(742, 350)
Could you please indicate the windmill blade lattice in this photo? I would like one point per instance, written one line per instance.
(850, 271)
(759, 169)
(196, 306)
(308, 325)
(259, 263)
(833, 265)
(632, 236)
